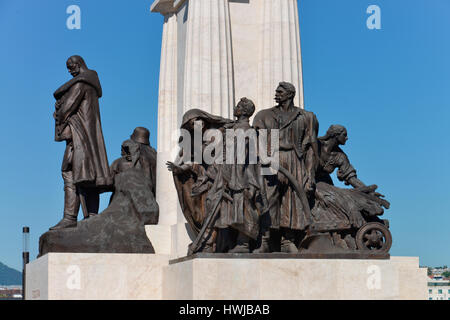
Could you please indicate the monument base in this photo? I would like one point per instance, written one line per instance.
(95, 276)
(291, 278)
(230, 277)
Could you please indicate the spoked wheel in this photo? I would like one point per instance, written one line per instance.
(374, 236)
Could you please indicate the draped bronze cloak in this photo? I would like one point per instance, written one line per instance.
(192, 205)
(77, 121)
(299, 155)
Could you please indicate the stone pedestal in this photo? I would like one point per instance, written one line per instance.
(67, 276)
(293, 279)
(95, 276)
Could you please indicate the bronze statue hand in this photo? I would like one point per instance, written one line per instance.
(370, 190)
(173, 167)
(310, 186)
(170, 166)
(250, 192)
(57, 116)
(379, 195)
(58, 104)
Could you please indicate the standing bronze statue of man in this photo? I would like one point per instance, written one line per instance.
(288, 193)
(85, 167)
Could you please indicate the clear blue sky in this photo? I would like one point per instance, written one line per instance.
(389, 87)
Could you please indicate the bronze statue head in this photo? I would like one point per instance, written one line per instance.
(337, 132)
(75, 64)
(244, 108)
(130, 151)
(141, 135)
(284, 92)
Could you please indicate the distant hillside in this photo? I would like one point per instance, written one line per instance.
(9, 276)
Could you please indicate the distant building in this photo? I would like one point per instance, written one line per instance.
(438, 288)
(438, 272)
(10, 292)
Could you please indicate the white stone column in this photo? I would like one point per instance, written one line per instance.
(210, 50)
(208, 76)
(162, 235)
(167, 122)
(280, 55)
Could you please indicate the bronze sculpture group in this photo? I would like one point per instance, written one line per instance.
(234, 208)
(240, 202)
(120, 228)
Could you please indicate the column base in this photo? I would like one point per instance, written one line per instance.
(170, 240)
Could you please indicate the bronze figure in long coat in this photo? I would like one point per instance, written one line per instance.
(239, 214)
(298, 153)
(77, 121)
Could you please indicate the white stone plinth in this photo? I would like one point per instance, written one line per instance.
(95, 276)
(292, 279)
(89, 276)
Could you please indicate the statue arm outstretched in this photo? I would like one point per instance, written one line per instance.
(355, 182)
(347, 173)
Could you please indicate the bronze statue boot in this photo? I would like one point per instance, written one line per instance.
(287, 246)
(242, 244)
(71, 204)
(207, 248)
(264, 248)
(66, 222)
(240, 248)
(91, 215)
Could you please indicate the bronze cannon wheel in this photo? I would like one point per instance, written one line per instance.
(374, 236)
